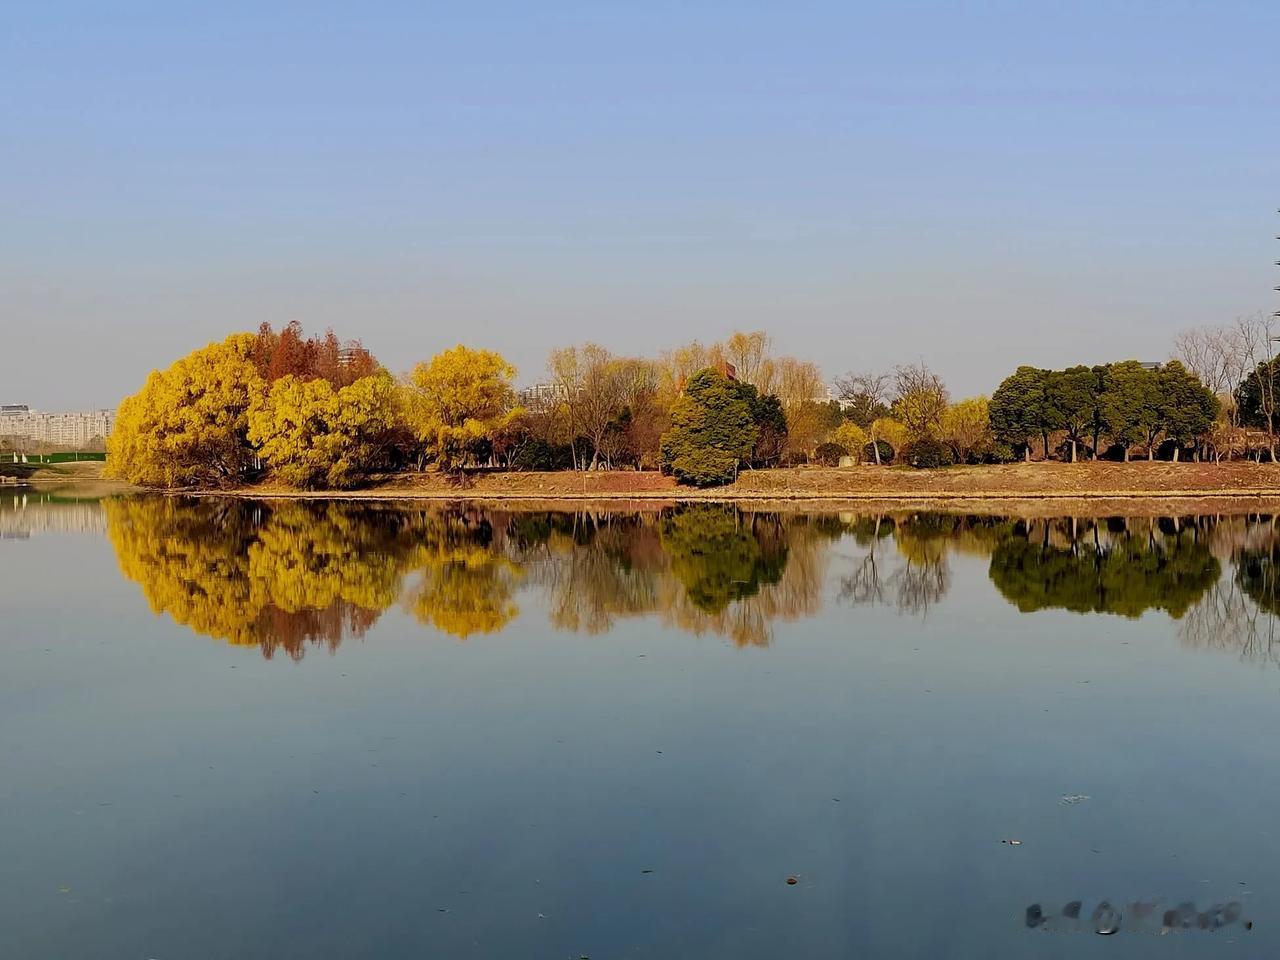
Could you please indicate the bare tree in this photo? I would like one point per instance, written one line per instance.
(593, 384)
(919, 398)
(1210, 353)
(749, 354)
(870, 393)
(1255, 337)
(873, 386)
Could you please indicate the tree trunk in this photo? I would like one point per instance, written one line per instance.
(875, 445)
(1176, 451)
(1073, 449)
(1045, 435)
(1126, 454)
(1026, 453)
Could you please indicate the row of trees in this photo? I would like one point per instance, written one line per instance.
(1129, 403)
(318, 412)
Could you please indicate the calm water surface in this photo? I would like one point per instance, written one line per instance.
(309, 730)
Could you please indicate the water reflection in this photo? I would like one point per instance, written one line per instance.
(1113, 566)
(289, 575)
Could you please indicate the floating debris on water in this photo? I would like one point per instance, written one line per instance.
(1073, 798)
(1012, 843)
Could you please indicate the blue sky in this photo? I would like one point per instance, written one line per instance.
(975, 184)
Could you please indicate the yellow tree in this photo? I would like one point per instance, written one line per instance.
(799, 385)
(314, 435)
(853, 438)
(890, 431)
(461, 396)
(966, 427)
(188, 424)
(920, 397)
(678, 365)
(749, 354)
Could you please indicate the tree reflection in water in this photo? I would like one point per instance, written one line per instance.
(1123, 567)
(916, 574)
(288, 575)
(1239, 612)
(280, 578)
(285, 575)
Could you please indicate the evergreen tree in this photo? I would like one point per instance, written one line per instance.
(1130, 405)
(1021, 408)
(1188, 407)
(711, 433)
(1073, 395)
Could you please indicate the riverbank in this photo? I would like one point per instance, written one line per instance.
(1243, 485)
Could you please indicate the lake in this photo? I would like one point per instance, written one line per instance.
(309, 729)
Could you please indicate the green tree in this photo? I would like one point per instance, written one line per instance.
(1021, 408)
(711, 431)
(1189, 409)
(770, 421)
(1131, 406)
(1073, 394)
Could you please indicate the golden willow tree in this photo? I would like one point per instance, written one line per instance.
(313, 413)
(188, 425)
(460, 397)
(315, 436)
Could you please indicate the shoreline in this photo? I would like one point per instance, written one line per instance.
(1042, 487)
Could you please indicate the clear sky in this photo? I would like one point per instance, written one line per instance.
(974, 184)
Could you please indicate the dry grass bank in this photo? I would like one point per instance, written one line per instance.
(1107, 487)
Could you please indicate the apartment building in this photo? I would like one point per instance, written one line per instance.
(76, 429)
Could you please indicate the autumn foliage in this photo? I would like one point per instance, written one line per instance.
(315, 412)
(321, 413)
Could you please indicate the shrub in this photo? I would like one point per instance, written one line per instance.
(540, 455)
(927, 453)
(829, 454)
(1002, 453)
(886, 452)
(704, 467)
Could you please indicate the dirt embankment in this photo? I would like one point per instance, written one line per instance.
(1236, 485)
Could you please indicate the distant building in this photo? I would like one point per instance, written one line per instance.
(79, 429)
(14, 409)
(1152, 365)
(543, 395)
(350, 354)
